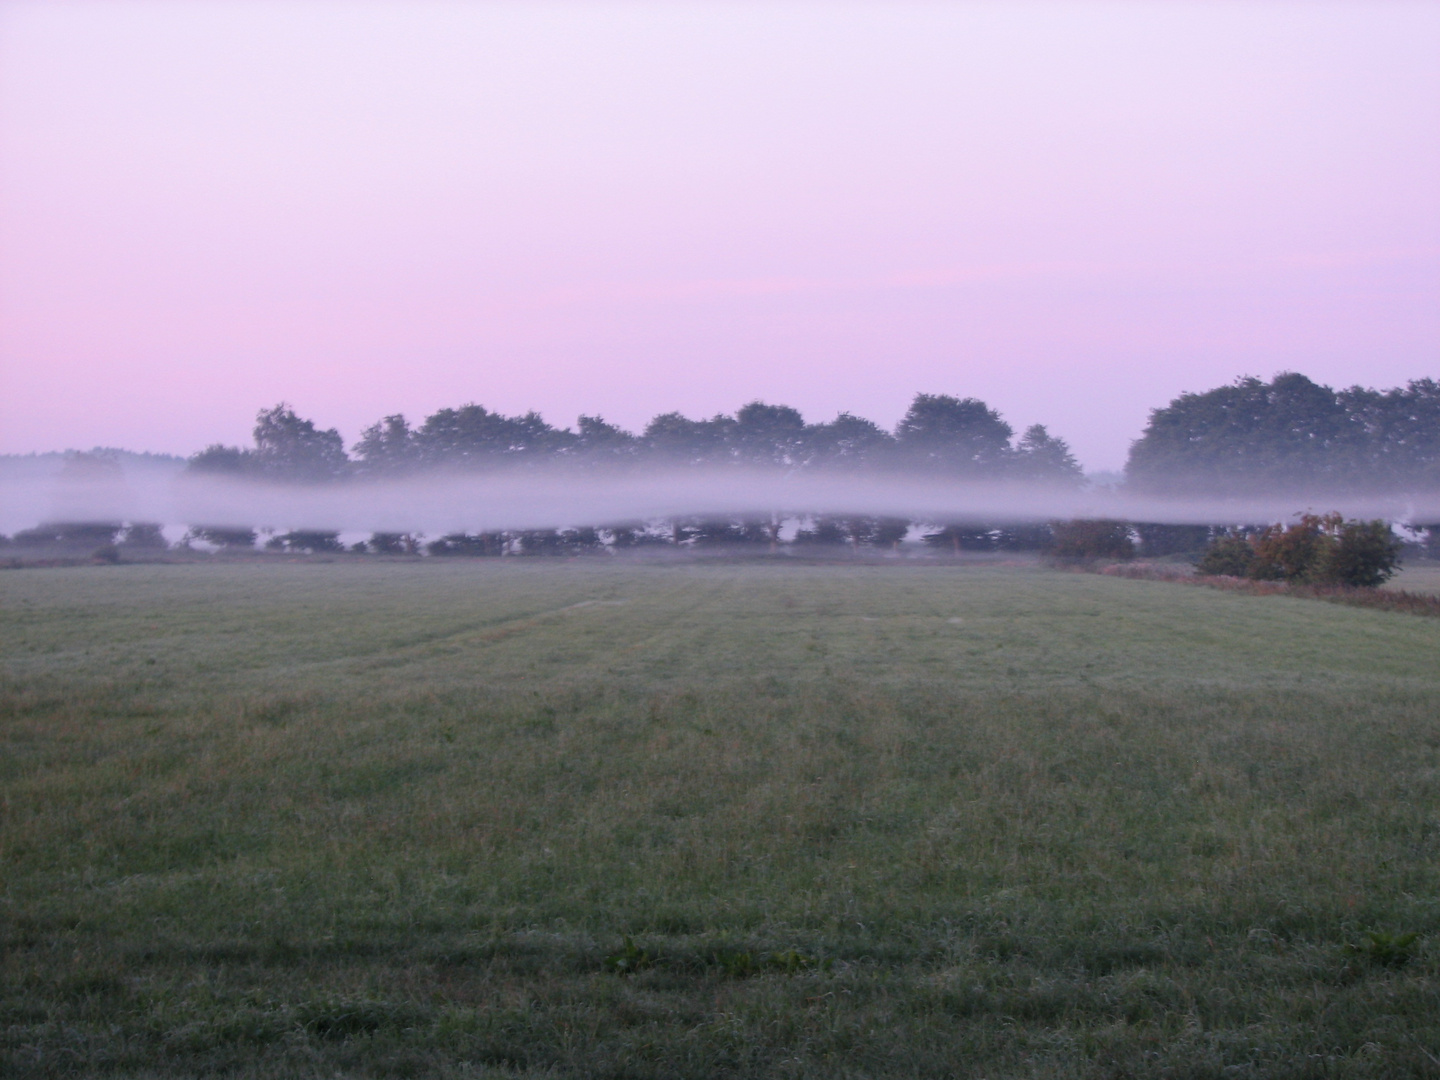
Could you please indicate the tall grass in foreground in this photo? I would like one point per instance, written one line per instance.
(711, 821)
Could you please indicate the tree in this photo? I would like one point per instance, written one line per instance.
(823, 531)
(764, 529)
(467, 436)
(542, 542)
(634, 534)
(599, 442)
(955, 437)
(387, 448)
(1022, 537)
(717, 532)
(1159, 540)
(306, 541)
(393, 544)
(1041, 457)
(71, 535)
(960, 538)
(675, 439)
(222, 536)
(889, 532)
(1294, 553)
(288, 447)
(1395, 435)
(1290, 433)
(582, 541)
(848, 441)
(218, 460)
(860, 531)
(1092, 539)
(474, 437)
(1364, 554)
(99, 467)
(478, 544)
(144, 535)
(768, 435)
(1229, 555)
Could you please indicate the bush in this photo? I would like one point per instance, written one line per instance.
(1294, 553)
(889, 532)
(1316, 550)
(224, 536)
(636, 534)
(1097, 539)
(1161, 540)
(962, 538)
(72, 535)
(476, 544)
(541, 542)
(823, 531)
(306, 541)
(393, 544)
(1229, 555)
(143, 534)
(1363, 553)
(1025, 538)
(582, 541)
(716, 532)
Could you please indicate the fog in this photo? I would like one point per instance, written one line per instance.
(540, 498)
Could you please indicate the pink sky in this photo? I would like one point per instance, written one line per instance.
(1074, 210)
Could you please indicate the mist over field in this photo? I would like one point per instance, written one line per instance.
(515, 499)
(1250, 452)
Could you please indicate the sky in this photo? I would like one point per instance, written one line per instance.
(1074, 211)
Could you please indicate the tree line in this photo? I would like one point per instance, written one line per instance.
(1315, 550)
(1291, 434)
(1288, 434)
(1250, 436)
(939, 434)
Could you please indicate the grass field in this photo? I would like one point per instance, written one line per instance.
(1422, 576)
(515, 818)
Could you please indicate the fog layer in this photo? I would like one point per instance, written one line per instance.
(545, 499)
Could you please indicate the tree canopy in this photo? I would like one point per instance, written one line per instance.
(1291, 433)
(951, 436)
(939, 435)
(287, 447)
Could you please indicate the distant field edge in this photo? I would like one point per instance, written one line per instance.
(1400, 600)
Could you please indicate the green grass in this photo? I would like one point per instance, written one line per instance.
(1420, 575)
(548, 818)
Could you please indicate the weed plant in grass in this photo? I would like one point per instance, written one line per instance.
(494, 818)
